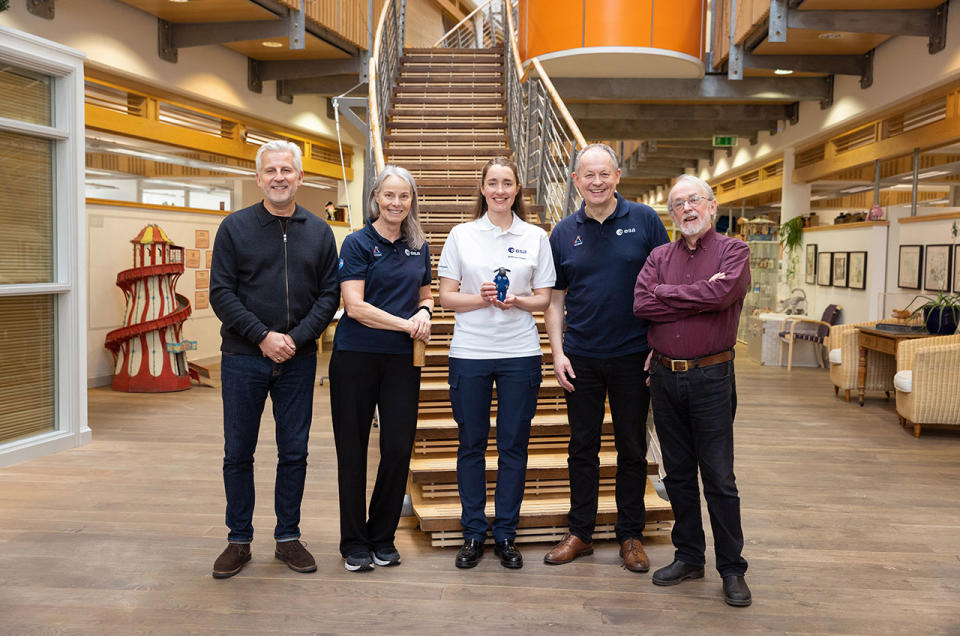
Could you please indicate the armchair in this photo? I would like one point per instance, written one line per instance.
(844, 356)
(807, 330)
(928, 381)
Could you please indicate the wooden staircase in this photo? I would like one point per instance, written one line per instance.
(447, 118)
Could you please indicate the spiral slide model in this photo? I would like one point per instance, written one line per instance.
(148, 354)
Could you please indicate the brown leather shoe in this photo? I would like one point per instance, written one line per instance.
(569, 548)
(295, 556)
(231, 560)
(634, 558)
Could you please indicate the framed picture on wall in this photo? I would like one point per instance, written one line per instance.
(936, 270)
(956, 268)
(825, 268)
(857, 270)
(811, 264)
(840, 269)
(908, 270)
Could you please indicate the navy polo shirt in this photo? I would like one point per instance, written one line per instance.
(598, 263)
(393, 275)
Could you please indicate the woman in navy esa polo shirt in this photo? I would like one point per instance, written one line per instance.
(385, 284)
(494, 342)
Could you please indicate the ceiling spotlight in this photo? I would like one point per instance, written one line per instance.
(270, 44)
(180, 1)
(783, 71)
(830, 35)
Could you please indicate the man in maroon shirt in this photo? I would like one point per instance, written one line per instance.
(692, 292)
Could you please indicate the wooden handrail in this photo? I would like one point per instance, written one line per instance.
(374, 118)
(554, 95)
(457, 25)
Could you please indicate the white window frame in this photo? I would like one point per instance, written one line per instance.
(65, 66)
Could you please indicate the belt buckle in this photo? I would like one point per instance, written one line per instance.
(674, 367)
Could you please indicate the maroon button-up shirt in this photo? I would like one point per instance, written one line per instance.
(691, 316)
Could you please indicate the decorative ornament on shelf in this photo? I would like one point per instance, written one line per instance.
(876, 213)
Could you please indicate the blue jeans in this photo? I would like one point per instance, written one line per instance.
(246, 382)
(471, 387)
(693, 411)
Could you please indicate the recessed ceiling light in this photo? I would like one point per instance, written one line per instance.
(783, 71)
(830, 35)
(180, 1)
(270, 44)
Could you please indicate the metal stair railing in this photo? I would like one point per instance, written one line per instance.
(383, 70)
(543, 135)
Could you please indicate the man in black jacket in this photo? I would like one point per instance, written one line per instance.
(273, 284)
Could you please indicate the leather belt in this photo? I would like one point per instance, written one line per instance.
(679, 366)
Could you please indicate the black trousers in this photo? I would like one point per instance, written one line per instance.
(624, 380)
(693, 411)
(358, 383)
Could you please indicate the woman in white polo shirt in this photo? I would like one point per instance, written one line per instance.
(494, 342)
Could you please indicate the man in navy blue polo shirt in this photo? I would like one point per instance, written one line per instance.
(598, 252)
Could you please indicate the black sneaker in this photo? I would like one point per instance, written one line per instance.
(358, 562)
(385, 556)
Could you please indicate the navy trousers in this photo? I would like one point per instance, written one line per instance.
(471, 386)
(693, 412)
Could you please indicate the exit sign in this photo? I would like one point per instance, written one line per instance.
(724, 141)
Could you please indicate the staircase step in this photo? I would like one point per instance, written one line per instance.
(479, 151)
(446, 125)
(442, 59)
(477, 137)
(413, 90)
(536, 513)
(552, 465)
(441, 101)
(441, 51)
(440, 427)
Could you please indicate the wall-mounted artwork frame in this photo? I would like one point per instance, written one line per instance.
(910, 266)
(857, 268)
(956, 268)
(825, 269)
(840, 260)
(936, 268)
(811, 264)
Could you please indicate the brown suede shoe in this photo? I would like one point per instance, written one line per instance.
(295, 556)
(231, 560)
(569, 548)
(634, 558)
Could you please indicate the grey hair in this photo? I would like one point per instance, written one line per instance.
(411, 224)
(689, 178)
(281, 145)
(601, 147)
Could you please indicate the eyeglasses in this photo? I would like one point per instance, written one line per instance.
(694, 200)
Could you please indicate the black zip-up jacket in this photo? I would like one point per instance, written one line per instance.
(272, 273)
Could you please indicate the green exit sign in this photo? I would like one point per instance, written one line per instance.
(724, 141)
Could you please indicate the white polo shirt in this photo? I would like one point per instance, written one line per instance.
(472, 254)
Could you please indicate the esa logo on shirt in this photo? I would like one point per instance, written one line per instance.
(376, 251)
(515, 252)
(629, 230)
(410, 252)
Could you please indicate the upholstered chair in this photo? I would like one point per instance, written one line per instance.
(928, 381)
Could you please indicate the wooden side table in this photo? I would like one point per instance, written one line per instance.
(880, 340)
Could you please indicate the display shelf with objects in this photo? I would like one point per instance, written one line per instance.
(762, 295)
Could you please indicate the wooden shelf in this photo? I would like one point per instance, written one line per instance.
(925, 218)
(846, 226)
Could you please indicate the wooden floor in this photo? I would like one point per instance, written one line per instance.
(852, 526)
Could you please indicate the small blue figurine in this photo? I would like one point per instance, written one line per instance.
(502, 283)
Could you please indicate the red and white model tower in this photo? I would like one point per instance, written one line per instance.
(148, 354)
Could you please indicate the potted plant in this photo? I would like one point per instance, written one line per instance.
(941, 314)
(791, 238)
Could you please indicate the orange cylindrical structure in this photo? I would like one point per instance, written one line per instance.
(551, 29)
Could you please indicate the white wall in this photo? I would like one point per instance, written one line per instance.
(933, 232)
(858, 304)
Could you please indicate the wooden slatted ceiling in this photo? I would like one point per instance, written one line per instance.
(206, 11)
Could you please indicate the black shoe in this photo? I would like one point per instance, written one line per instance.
(735, 591)
(510, 556)
(676, 572)
(385, 557)
(469, 553)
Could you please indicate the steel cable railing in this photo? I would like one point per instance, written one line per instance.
(544, 137)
